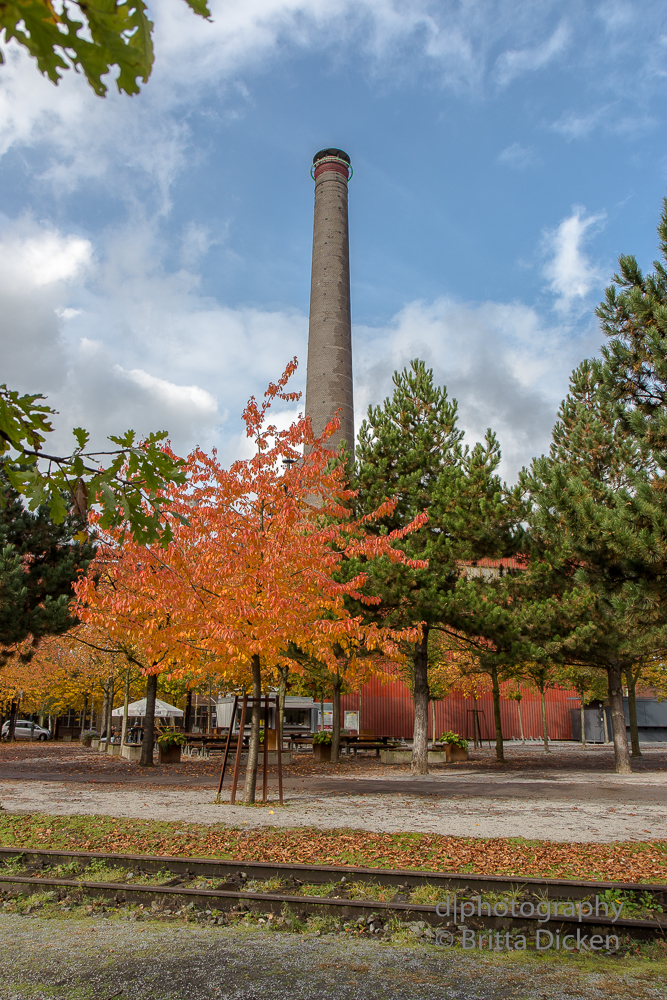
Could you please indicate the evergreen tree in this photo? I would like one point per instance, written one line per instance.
(410, 449)
(39, 562)
(587, 503)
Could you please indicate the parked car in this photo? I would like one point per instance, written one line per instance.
(26, 730)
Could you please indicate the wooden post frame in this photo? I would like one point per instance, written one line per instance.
(239, 747)
(248, 702)
(228, 744)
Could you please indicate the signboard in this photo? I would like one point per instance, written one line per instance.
(351, 720)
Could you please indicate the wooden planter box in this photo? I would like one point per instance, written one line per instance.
(322, 751)
(169, 755)
(455, 753)
(86, 741)
(272, 737)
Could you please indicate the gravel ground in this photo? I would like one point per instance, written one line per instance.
(97, 959)
(501, 815)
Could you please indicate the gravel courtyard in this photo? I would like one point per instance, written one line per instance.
(569, 795)
(97, 959)
(502, 815)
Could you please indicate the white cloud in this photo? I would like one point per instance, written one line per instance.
(613, 117)
(38, 269)
(574, 125)
(117, 341)
(570, 272)
(125, 343)
(518, 157)
(33, 256)
(516, 62)
(506, 367)
(188, 398)
(147, 140)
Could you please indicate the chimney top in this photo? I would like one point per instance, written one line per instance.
(338, 153)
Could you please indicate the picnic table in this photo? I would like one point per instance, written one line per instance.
(300, 739)
(348, 744)
(365, 742)
(203, 743)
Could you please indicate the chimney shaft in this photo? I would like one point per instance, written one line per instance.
(329, 374)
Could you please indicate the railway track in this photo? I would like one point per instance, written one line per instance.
(354, 893)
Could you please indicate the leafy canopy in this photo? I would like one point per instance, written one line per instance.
(90, 36)
(129, 490)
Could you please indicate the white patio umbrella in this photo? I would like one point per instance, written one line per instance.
(162, 710)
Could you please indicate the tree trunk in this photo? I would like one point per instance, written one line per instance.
(604, 724)
(126, 702)
(187, 721)
(621, 753)
(583, 721)
(545, 731)
(13, 712)
(631, 681)
(109, 717)
(477, 741)
(335, 735)
(420, 696)
(253, 747)
(209, 717)
(518, 708)
(83, 715)
(282, 692)
(105, 712)
(500, 754)
(149, 722)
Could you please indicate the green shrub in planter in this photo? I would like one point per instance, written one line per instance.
(322, 739)
(454, 740)
(167, 740)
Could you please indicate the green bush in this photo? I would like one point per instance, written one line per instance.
(322, 739)
(453, 739)
(171, 740)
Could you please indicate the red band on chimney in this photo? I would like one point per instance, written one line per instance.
(335, 166)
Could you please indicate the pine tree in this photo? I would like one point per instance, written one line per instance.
(39, 563)
(410, 449)
(587, 504)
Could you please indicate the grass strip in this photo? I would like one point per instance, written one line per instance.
(516, 857)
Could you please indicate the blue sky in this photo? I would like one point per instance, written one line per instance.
(155, 250)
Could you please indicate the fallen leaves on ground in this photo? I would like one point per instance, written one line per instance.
(614, 862)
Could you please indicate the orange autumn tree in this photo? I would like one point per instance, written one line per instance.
(253, 562)
(123, 599)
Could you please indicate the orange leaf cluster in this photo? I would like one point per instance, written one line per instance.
(254, 563)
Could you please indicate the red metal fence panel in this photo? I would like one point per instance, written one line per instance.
(387, 709)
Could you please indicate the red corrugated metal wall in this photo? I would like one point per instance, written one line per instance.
(387, 709)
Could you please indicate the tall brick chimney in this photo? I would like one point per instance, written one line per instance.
(329, 374)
